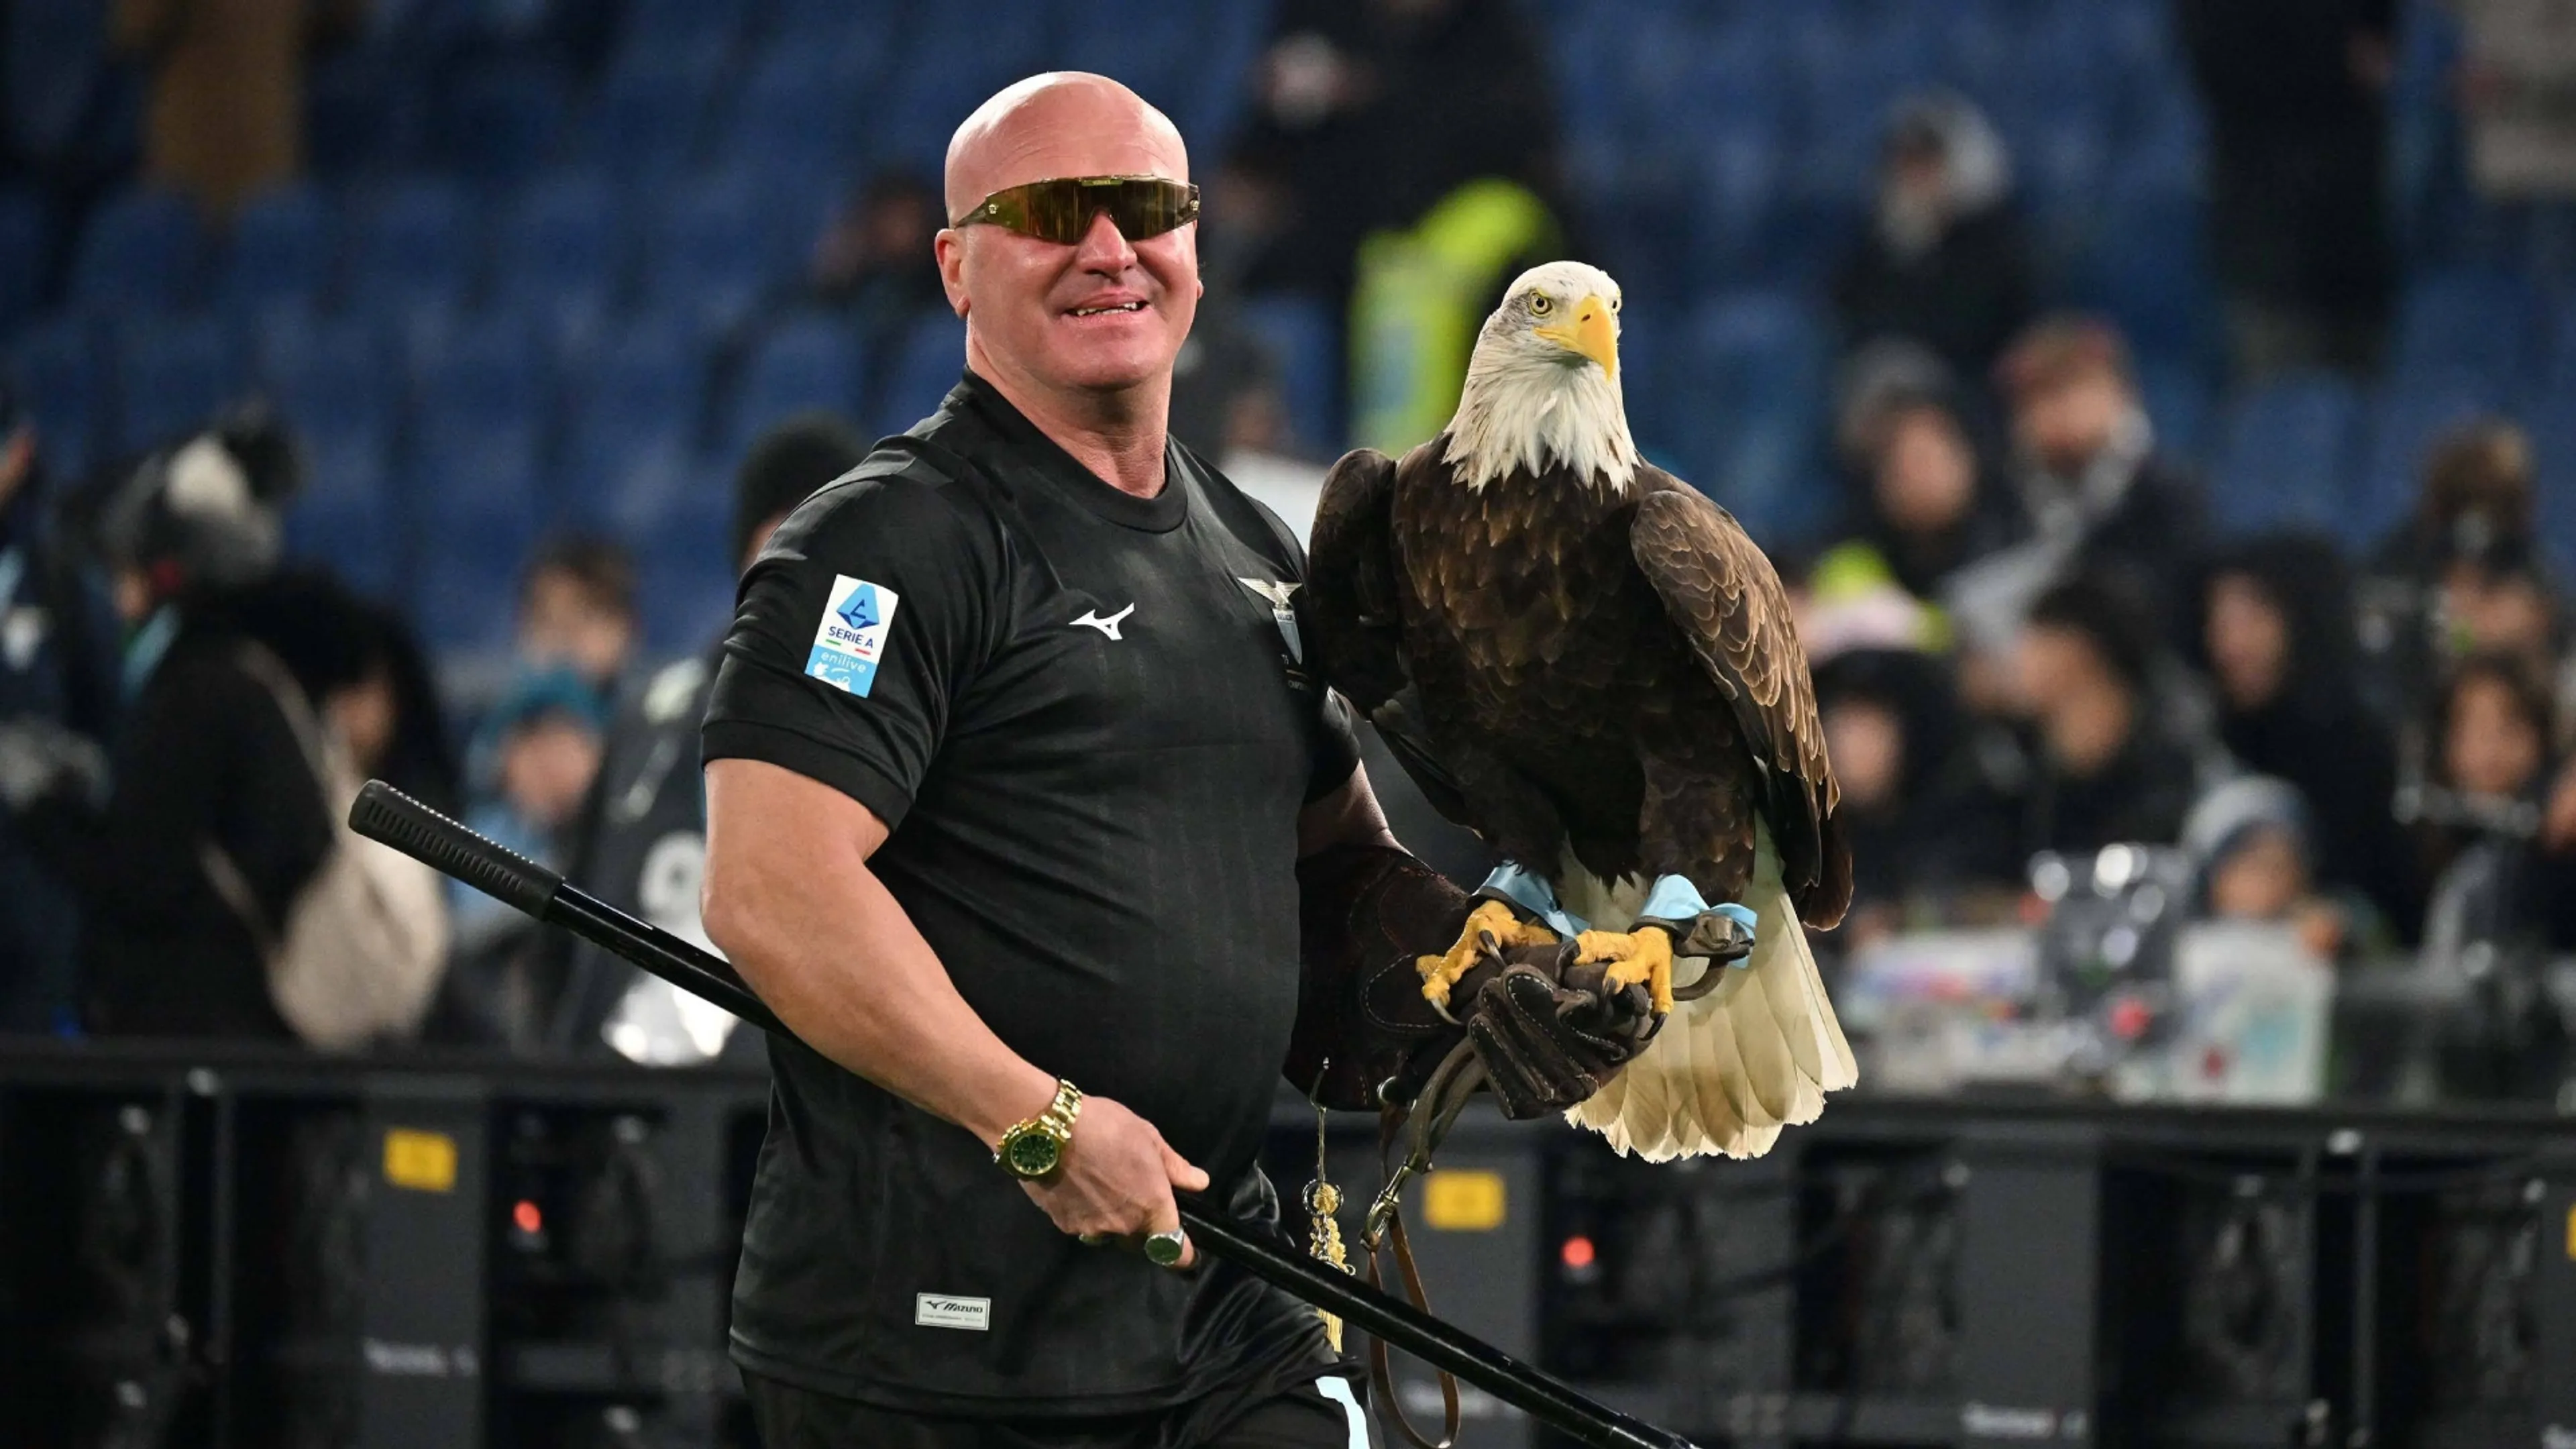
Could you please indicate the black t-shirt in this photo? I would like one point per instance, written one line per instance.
(1082, 719)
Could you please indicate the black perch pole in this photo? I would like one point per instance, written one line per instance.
(383, 813)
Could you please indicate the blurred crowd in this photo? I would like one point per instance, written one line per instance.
(2033, 637)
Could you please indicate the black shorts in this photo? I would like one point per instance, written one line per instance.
(1315, 1414)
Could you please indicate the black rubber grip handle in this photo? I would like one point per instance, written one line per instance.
(383, 813)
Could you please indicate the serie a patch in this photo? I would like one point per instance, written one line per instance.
(851, 640)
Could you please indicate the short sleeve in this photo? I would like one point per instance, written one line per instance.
(854, 634)
(1335, 752)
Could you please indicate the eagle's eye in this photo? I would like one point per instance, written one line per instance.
(1614, 304)
(1541, 304)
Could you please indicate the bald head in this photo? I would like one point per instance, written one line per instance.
(1063, 123)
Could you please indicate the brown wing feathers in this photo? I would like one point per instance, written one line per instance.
(1725, 598)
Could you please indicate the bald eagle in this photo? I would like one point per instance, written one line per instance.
(1588, 663)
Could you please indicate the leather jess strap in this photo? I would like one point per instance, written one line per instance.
(1381, 1373)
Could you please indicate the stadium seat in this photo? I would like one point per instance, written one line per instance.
(559, 253)
(465, 583)
(2148, 270)
(696, 26)
(483, 393)
(26, 245)
(708, 250)
(1305, 350)
(2178, 402)
(172, 375)
(501, 123)
(1746, 396)
(1733, 210)
(685, 583)
(2475, 322)
(807, 361)
(364, 113)
(344, 518)
(639, 399)
(280, 253)
(648, 113)
(53, 54)
(929, 364)
(2286, 452)
(2411, 413)
(413, 252)
(793, 114)
(331, 382)
(56, 366)
(142, 251)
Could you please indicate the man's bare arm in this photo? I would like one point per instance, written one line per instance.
(790, 898)
(1348, 816)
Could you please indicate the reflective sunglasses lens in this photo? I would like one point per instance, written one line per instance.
(1060, 211)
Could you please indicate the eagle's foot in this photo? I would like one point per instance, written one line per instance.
(1493, 918)
(1645, 954)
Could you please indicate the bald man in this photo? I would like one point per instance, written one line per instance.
(1011, 765)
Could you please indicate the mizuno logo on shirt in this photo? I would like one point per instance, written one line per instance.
(947, 1310)
(1109, 626)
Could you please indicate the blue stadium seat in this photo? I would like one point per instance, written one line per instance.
(710, 250)
(53, 54)
(559, 253)
(1233, 41)
(2477, 322)
(649, 112)
(697, 26)
(1746, 394)
(2411, 413)
(502, 123)
(932, 359)
(2148, 270)
(793, 114)
(62, 384)
(482, 393)
(2178, 402)
(956, 56)
(465, 582)
(280, 253)
(807, 361)
(142, 250)
(638, 400)
(2286, 453)
(413, 252)
(1734, 210)
(345, 516)
(365, 112)
(685, 584)
(173, 374)
(26, 243)
(331, 382)
(1305, 350)
(830, 22)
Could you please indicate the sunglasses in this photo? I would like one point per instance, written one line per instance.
(1059, 210)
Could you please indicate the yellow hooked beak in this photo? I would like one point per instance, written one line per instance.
(1591, 333)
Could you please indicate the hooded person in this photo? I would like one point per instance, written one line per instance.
(1945, 262)
(1909, 799)
(2277, 638)
(1924, 498)
(207, 759)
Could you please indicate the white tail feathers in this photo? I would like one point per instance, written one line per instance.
(1729, 1070)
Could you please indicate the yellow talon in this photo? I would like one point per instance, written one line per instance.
(1635, 956)
(1439, 973)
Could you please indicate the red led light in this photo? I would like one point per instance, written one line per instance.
(1577, 1253)
(526, 1217)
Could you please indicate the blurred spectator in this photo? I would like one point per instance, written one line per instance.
(58, 688)
(1945, 262)
(577, 610)
(2095, 494)
(1920, 830)
(213, 821)
(2503, 902)
(2518, 89)
(2105, 768)
(2276, 633)
(2297, 102)
(2473, 521)
(640, 840)
(1924, 499)
(227, 110)
(531, 766)
(874, 260)
(2255, 848)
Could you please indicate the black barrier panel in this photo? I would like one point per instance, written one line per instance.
(234, 1248)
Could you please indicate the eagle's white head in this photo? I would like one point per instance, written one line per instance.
(1543, 385)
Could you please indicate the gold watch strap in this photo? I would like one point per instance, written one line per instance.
(1056, 1121)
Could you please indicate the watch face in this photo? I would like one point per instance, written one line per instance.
(1033, 1154)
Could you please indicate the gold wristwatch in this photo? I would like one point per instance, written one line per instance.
(1034, 1149)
